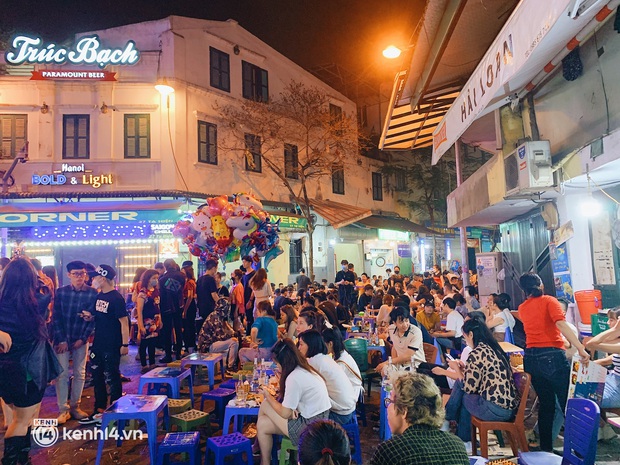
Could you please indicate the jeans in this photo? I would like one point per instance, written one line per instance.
(550, 371)
(230, 346)
(248, 355)
(189, 328)
(79, 375)
(461, 406)
(106, 372)
(172, 320)
(147, 344)
(611, 394)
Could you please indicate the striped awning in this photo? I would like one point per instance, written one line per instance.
(406, 129)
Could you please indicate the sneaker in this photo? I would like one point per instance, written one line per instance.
(468, 447)
(77, 413)
(165, 360)
(146, 369)
(94, 419)
(606, 433)
(64, 417)
(125, 379)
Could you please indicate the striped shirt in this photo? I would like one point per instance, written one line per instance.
(67, 324)
(615, 359)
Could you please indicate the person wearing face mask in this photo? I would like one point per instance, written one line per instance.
(111, 341)
(149, 317)
(397, 277)
(345, 280)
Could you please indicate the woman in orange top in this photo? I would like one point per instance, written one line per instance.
(236, 297)
(544, 324)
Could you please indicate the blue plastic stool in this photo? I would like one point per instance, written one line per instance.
(175, 443)
(221, 398)
(229, 444)
(228, 384)
(135, 407)
(508, 336)
(353, 431)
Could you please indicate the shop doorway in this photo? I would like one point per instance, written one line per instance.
(96, 255)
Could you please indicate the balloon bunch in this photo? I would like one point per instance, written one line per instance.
(226, 231)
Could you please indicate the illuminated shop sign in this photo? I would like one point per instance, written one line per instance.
(289, 222)
(391, 235)
(86, 51)
(73, 175)
(72, 75)
(85, 217)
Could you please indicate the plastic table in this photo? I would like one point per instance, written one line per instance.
(171, 376)
(208, 360)
(510, 348)
(232, 411)
(381, 349)
(385, 432)
(135, 407)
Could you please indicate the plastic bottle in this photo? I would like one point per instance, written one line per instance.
(413, 367)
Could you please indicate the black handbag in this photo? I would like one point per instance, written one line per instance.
(41, 363)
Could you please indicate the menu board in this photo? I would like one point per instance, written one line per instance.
(602, 251)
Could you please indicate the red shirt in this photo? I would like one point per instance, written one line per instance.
(539, 316)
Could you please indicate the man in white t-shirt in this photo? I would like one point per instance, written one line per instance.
(406, 340)
(452, 336)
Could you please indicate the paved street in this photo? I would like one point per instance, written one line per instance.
(135, 453)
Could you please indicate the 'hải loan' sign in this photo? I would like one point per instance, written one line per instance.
(87, 51)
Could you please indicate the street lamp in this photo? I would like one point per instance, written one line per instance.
(164, 88)
(391, 52)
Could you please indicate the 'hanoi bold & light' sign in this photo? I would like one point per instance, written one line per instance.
(87, 51)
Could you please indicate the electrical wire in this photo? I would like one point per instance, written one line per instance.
(174, 157)
(602, 190)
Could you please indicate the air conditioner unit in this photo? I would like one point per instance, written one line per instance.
(528, 168)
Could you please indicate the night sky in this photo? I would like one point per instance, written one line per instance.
(350, 33)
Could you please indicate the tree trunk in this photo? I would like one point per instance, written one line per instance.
(310, 253)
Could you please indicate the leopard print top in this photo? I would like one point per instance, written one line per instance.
(487, 376)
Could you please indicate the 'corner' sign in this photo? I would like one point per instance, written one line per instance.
(87, 51)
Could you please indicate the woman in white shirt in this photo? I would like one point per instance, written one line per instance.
(500, 318)
(335, 346)
(302, 399)
(341, 393)
(261, 287)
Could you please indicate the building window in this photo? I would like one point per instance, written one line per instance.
(400, 181)
(291, 161)
(338, 179)
(362, 116)
(295, 258)
(13, 133)
(207, 143)
(138, 136)
(377, 186)
(253, 160)
(335, 116)
(255, 82)
(76, 136)
(220, 69)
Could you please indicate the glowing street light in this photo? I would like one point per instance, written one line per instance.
(391, 52)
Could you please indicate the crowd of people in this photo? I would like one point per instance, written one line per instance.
(301, 327)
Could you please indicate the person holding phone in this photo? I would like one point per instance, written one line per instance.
(70, 332)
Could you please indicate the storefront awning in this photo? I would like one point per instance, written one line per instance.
(531, 43)
(395, 223)
(339, 214)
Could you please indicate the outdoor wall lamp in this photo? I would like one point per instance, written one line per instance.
(103, 108)
(164, 88)
(45, 108)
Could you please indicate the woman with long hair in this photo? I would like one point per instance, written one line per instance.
(188, 317)
(500, 319)
(341, 393)
(335, 347)
(302, 399)
(26, 357)
(236, 297)
(50, 272)
(324, 443)
(485, 387)
(134, 289)
(261, 288)
(310, 319)
(545, 324)
(289, 318)
(149, 317)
